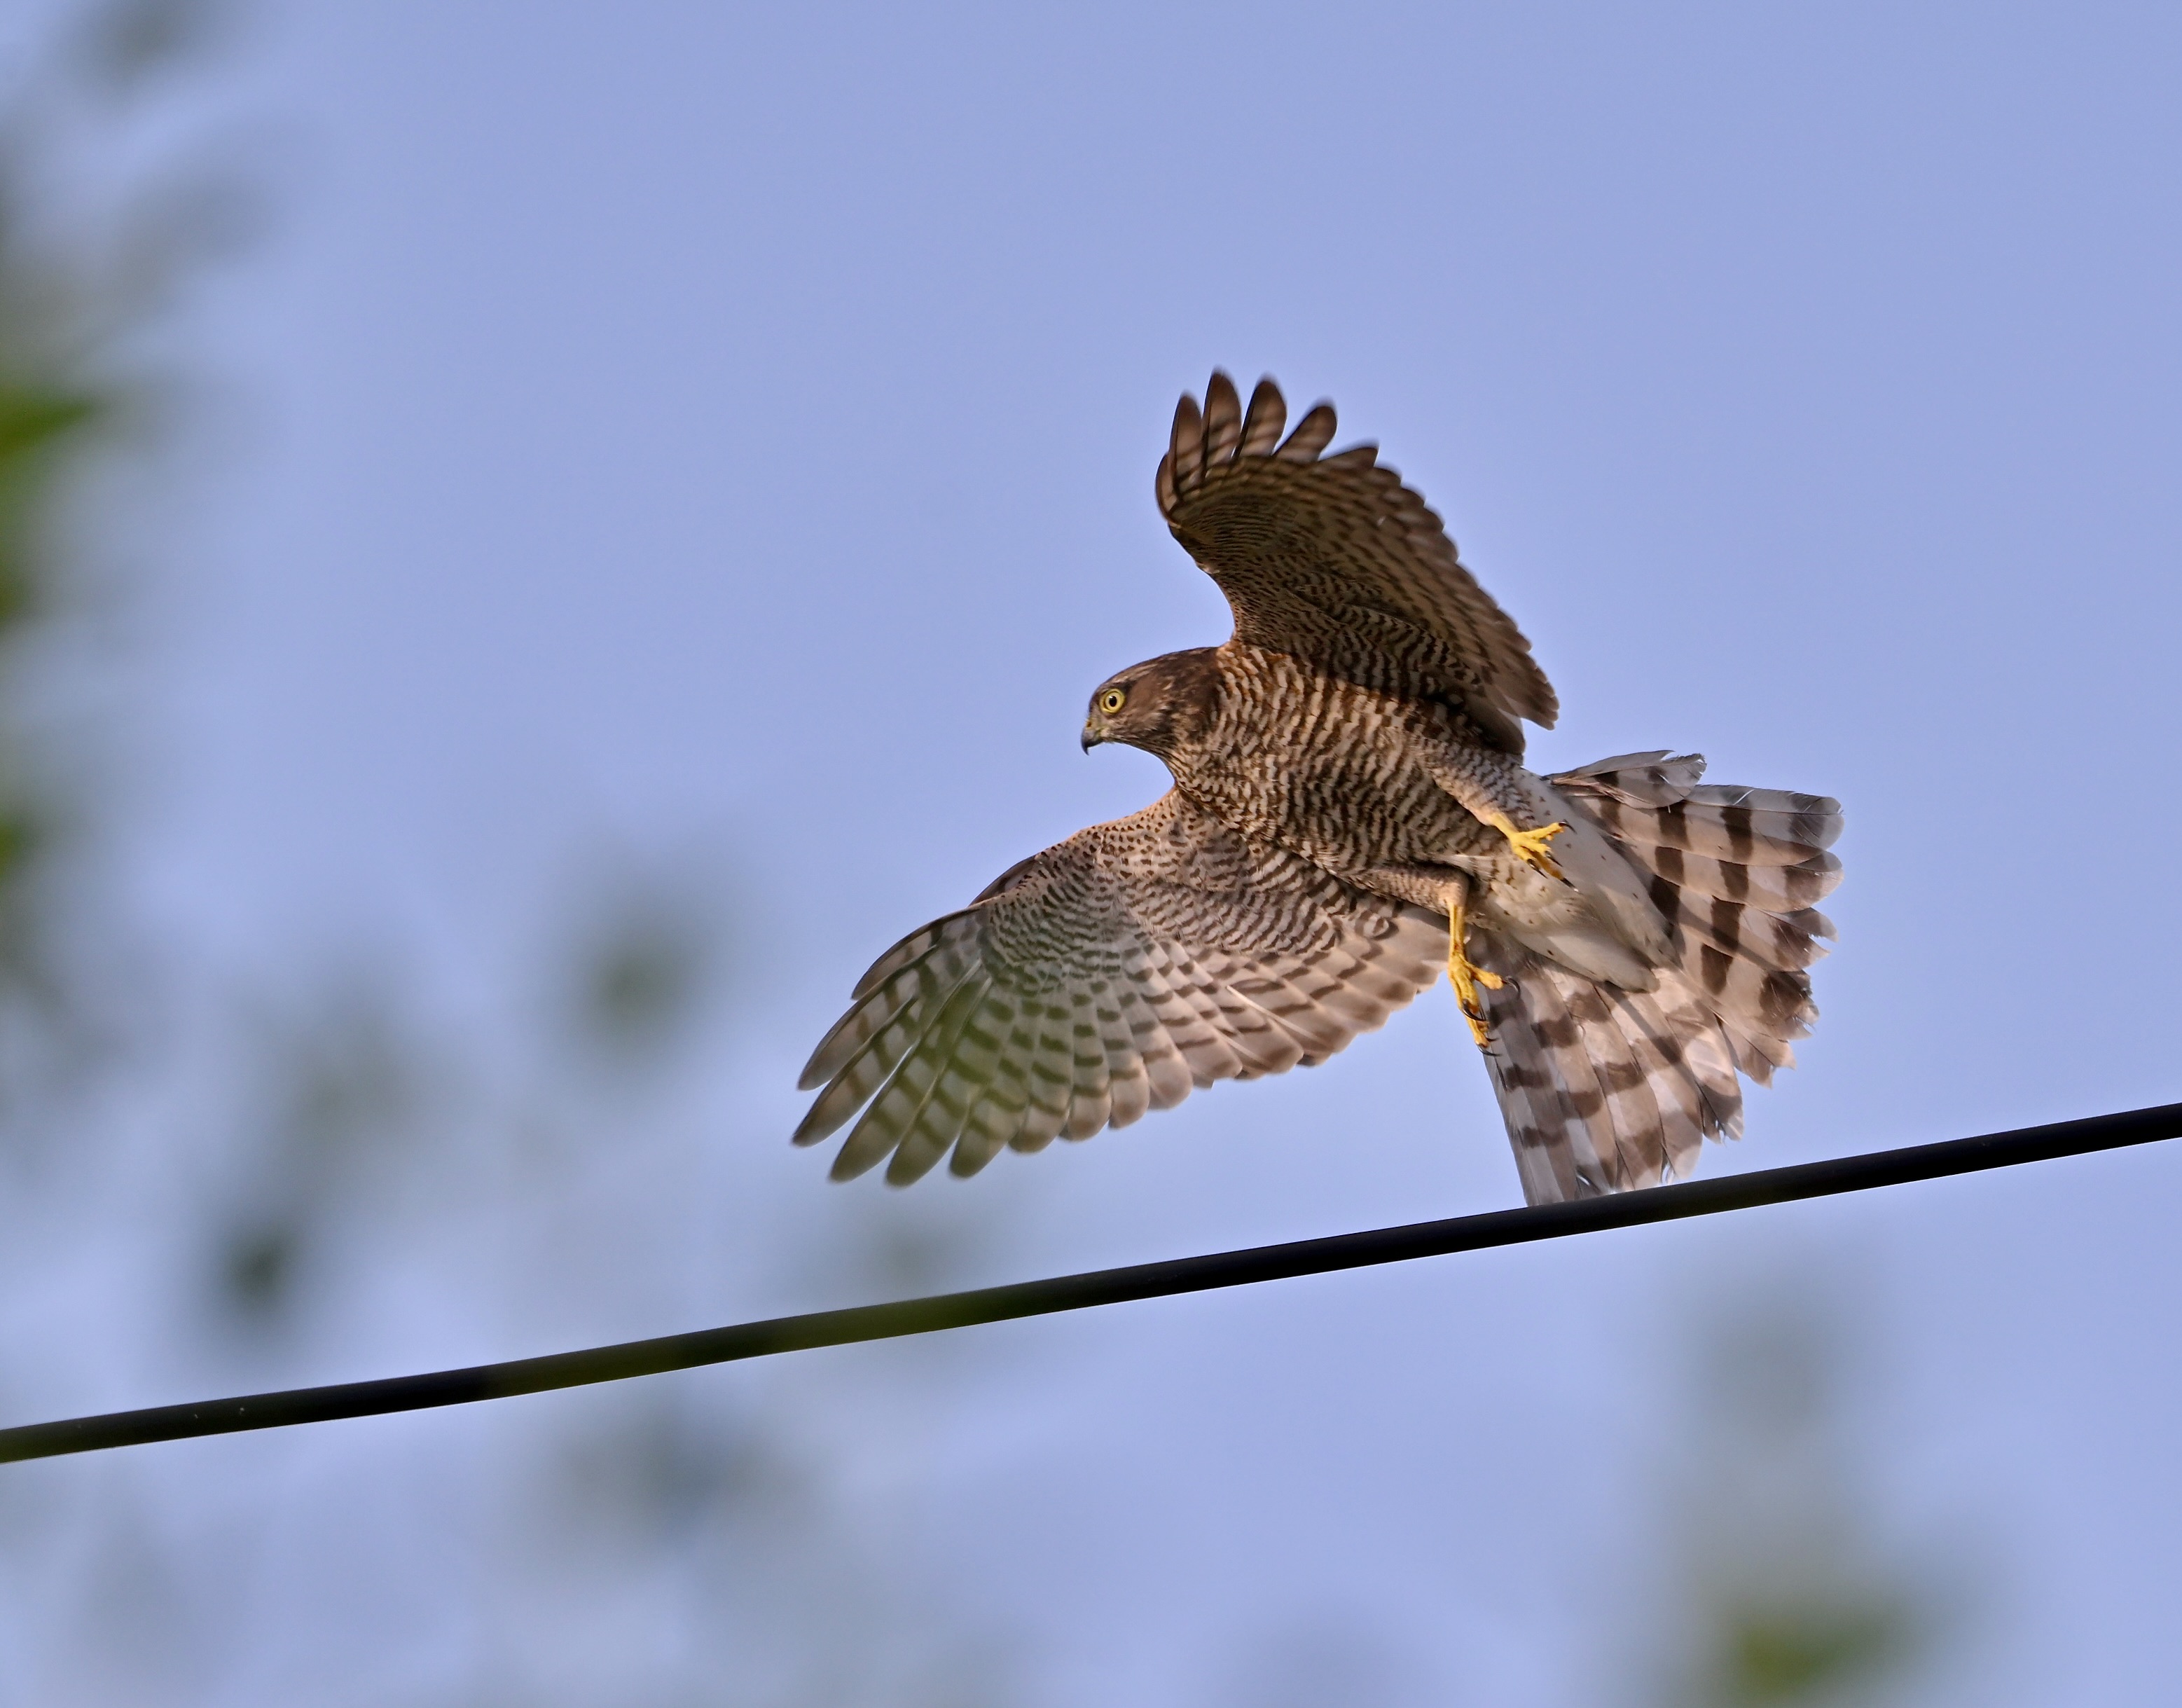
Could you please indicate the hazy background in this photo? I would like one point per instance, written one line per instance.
(611, 516)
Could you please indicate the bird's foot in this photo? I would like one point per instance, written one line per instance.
(1467, 975)
(1529, 845)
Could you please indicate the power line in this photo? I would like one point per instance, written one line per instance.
(1081, 1292)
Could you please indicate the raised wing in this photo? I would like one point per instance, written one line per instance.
(1332, 559)
(1107, 976)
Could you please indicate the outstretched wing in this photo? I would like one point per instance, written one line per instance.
(1107, 976)
(1332, 559)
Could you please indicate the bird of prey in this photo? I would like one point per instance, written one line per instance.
(1349, 814)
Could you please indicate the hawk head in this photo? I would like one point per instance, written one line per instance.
(1156, 706)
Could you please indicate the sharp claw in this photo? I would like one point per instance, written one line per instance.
(1529, 845)
(1467, 976)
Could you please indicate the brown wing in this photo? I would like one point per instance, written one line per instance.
(1107, 976)
(1332, 559)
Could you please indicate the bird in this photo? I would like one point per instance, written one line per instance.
(1350, 816)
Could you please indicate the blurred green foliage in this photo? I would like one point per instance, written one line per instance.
(48, 408)
(1791, 1652)
(338, 1080)
(640, 966)
(37, 422)
(1790, 1590)
(90, 253)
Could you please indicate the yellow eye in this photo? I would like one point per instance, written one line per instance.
(1110, 702)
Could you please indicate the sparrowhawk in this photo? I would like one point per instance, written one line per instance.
(1350, 813)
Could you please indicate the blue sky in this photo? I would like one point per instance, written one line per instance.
(685, 430)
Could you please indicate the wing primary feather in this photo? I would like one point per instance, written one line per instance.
(896, 1002)
(895, 1110)
(986, 1131)
(1223, 420)
(1312, 435)
(918, 943)
(967, 1060)
(1262, 422)
(1186, 447)
(862, 1073)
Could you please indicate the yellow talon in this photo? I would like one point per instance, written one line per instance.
(1467, 975)
(1529, 845)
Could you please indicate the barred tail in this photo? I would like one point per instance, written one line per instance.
(1605, 1089)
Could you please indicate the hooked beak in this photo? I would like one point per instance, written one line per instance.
(1092, 738)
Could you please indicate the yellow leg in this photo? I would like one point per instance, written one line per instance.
(1467, 976)
(1529, 845)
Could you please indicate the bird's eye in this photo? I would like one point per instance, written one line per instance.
(1110, 702)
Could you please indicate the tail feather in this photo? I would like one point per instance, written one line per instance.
(1605, 1089)
(1674, 1092)
(1785, 942)
(1552, 1150)
(1633, 1111)
(1708, 1055)
(1552, 1090)
(1647, 800)
(1774, 888)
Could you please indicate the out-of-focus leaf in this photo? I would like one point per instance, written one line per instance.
(31, 419)
(645, 958)
(260, 1263)
(1784, 1587)
(1792, 1653)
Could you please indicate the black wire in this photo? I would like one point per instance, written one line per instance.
(1081, 1292)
